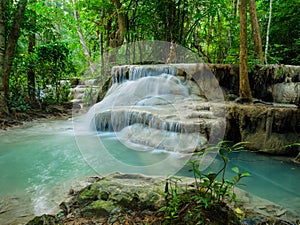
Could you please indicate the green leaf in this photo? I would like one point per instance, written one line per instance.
(163, 209)
(236, 170)
(246, 174)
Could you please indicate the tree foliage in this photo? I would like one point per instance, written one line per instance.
(52, 65)
(209, 28)
(284, 31)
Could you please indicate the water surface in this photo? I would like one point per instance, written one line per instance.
(40, 161)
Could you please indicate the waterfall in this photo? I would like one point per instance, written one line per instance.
(121, 74)
(158, 107)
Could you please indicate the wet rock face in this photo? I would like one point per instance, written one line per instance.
(272, 83)
(285, 83)
(287, 92)
(266, 128)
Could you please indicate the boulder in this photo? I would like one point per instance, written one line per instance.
(114, 192)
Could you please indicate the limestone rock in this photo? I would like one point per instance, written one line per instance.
(287, 92)
(114, 194)
(266, 128)
(116, 191)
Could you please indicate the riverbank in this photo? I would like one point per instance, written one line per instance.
(49, 112)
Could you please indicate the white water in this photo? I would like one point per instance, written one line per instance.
(150, 106)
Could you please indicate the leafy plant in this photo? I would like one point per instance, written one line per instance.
(172, 198)
(18, 103)
(210, 192)
(218, 189)
(52, 66)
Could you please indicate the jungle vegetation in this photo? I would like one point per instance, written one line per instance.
(43, 42)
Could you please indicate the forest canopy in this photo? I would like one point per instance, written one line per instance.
(43, 42)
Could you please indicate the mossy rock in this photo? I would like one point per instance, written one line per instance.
(152, 200)
(89, 193)
(119, 190)
(100, 208)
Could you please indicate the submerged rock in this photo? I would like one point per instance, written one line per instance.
(265, 221)
(297, 159)
(255, 221)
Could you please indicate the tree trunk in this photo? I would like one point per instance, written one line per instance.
(258, 53)
(101, 41)
(82, 41)
(121, 24)
(245, 91)
(228, 43)
(210, 21)
(13, 37)
(2, 41)
(268, 33)
(30, 73)
(116, 37)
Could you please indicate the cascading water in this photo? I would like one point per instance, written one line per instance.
(157, 108)
(151, 106)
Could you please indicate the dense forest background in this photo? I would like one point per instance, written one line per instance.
(43, 42)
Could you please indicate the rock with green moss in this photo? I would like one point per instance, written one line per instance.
(115, 192)
(100, 208)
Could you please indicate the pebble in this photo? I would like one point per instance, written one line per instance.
(283, 222)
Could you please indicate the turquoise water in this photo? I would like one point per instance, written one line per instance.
(43, 154)
(276, 179)
(38, 162)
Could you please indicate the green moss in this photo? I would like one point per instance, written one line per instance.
(99, 208)
(89, 192)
